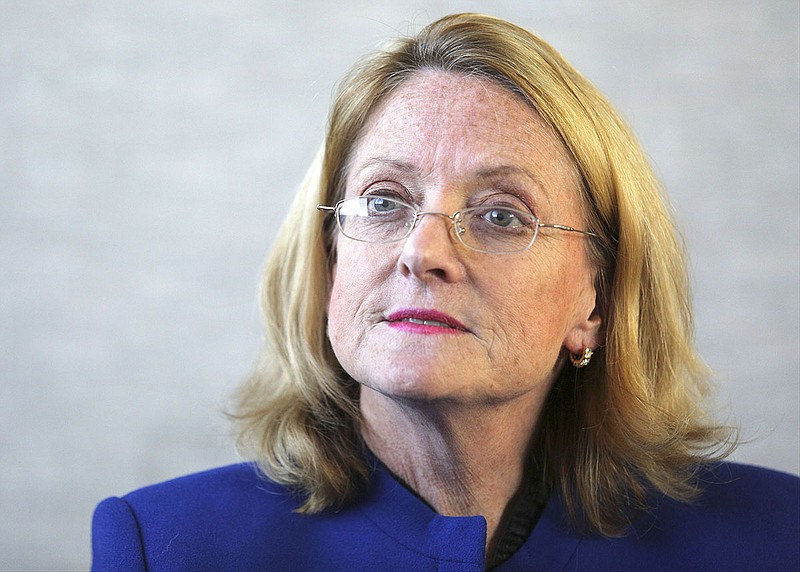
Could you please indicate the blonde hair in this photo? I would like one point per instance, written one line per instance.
(632, 421)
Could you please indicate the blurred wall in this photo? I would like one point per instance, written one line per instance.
(149, 149)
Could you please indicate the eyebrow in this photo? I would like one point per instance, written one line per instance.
(387, 162)
(508, 170)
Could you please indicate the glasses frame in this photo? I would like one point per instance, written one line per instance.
(455, 220)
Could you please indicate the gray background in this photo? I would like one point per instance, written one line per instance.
(149, 149)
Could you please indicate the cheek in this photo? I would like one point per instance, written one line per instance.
(354, 284)
(535, 309)
(341, 305)
(335, 311)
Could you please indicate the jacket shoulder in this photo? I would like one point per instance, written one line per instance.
(746, 517)
(758, 479)
(751, 498)
(233, 483)
(192, 522)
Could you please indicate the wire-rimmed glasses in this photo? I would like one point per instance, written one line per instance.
(493, 229)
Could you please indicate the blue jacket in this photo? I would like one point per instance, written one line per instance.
(230, 519)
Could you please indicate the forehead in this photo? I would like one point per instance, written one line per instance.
(449, 123)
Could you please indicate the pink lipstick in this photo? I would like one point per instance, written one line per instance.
(420, 321)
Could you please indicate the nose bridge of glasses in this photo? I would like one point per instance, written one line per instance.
(453, 219)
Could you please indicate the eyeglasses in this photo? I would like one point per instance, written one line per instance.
(488, 228)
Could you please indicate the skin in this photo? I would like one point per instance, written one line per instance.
(443, 410)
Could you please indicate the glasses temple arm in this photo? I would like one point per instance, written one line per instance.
(567, 229)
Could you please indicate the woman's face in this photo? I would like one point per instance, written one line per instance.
(443, 142)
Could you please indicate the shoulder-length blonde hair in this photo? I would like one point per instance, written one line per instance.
(630, 422)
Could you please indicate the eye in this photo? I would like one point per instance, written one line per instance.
(382, 204)
(503, 218)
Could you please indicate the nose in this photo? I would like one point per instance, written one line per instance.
(430, 252)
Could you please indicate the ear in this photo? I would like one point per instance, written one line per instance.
(588, 332)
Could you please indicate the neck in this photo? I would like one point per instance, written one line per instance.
(463, 460)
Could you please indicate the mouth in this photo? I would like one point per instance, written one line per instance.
(424, 321)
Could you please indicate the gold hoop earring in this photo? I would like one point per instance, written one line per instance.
(581, 360)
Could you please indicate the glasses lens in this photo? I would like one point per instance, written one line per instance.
(498, 229)
(375, 218)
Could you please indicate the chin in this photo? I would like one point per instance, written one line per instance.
(408, 388)
(437, 392)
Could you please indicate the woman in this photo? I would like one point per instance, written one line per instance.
(479, 349)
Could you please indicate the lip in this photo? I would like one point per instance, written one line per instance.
(416, 320)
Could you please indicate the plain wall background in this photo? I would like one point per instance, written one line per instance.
(149, 149)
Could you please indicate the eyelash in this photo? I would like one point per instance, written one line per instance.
(518, 204)
(385, 188)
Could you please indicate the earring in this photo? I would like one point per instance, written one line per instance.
(581, 360)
